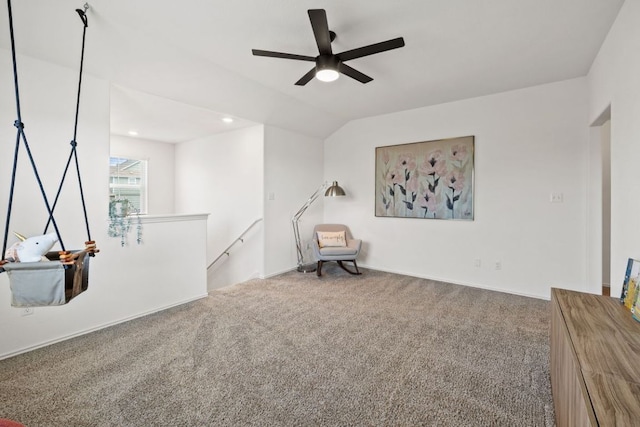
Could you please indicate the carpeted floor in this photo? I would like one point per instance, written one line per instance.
(294, 350)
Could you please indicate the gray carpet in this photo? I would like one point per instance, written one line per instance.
(374, 350)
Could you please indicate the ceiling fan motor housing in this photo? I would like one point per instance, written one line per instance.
(327, 62)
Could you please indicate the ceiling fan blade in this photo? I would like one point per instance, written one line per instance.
(371, 49)
(307, 77)
(354, 74)
(320, 27)
(258, 52)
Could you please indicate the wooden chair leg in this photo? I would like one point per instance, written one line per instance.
(356, 266)
(347, 270)
(319, 269)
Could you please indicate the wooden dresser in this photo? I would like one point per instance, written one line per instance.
(595, 361)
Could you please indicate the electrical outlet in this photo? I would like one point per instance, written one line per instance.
(27, 311)
(556, 197)
(498, 265)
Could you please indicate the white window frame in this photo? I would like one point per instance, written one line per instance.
(120, 190)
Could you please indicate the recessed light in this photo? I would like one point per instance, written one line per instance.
(133, 132)
(227, 119)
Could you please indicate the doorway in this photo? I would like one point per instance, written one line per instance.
(601, 134)
(605, 135)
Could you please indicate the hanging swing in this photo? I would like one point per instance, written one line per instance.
(65, 274)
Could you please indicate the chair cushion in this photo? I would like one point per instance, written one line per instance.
(334, 250)
(332, 239)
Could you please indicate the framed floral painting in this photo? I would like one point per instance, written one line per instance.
(431, 179)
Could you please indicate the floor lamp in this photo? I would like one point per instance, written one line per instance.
(329, 191)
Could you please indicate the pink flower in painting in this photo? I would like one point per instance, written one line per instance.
(385, 156)
(406, 166)
(394, 177)
(433, 168)
(454, 180)
(428, 203)
(459, 154)
(433, 164)
(412, 184)
(406, 162)
(409, 190)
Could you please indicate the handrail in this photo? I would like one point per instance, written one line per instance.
(239, 239)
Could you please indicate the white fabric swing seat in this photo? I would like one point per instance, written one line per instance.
(47, 283)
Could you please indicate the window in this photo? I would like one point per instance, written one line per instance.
(128, 180)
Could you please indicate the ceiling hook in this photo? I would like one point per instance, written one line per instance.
(83, 14)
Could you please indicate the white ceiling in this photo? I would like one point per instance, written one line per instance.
(160, 119)
(198, 54)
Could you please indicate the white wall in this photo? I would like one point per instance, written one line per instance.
(160, 173)
(614, 79)
(529, 143)
(223, 175)
(293, 171)
(124, 282)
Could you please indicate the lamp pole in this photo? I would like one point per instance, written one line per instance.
(333, 190)
(296, 232)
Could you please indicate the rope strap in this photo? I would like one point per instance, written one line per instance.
(74, 143)
(21, 137)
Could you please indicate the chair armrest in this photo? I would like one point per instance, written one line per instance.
(354, 243)
(316, 248)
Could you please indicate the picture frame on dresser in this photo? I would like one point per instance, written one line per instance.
(630, 284)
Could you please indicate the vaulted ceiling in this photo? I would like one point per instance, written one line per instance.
(196, 54)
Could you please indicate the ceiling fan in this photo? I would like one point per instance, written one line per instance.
(329, 65)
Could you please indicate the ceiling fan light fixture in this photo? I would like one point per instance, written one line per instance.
(327, 68)
(327, 75)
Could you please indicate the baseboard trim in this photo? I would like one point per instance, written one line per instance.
(439, 279)
(270, 275)
(97, 328)
(458, 282)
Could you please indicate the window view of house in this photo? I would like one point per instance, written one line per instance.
(128, 180)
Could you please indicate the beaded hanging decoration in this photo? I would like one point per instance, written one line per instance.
(121, 213)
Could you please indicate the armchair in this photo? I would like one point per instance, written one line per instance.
(334, 242)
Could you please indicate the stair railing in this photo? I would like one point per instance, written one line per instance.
(239, 239)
